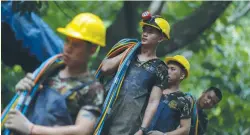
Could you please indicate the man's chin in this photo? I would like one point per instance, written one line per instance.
(144, 43)
(170, 80)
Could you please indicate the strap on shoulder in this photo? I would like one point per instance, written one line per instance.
(77, 88)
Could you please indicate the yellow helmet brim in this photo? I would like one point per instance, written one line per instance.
(74, 34)
(143, 23)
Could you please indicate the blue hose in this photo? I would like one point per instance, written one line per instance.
(9, 106)
(23, 95)
(117, 80)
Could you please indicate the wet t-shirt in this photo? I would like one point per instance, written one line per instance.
(127, 113)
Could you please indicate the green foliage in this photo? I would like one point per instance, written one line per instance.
(220, 57)
(61, 12)
(9, 77)
(173, 13)
(38, 7)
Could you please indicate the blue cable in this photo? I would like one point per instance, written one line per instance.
(23, 95)
(29, 98)
(33, 92)
(121, 73)
(117, 80)
(9, 106)
(114, 82)
(18, 107)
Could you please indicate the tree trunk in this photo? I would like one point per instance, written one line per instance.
(187, 30)
(125, 26)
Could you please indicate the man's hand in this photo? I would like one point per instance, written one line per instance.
(27, 83)
(17, 121)
(154, 132)
(109, 66)
(139, 132)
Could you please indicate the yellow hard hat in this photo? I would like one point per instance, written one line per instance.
(88, 27)
(180, 59)
(156, 22)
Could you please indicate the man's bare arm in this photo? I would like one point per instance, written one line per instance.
(184, 128)
(84, 126)
(110, 65)
(153, 103)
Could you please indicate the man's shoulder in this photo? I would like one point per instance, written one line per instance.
(160, 66)
(190, 97)
(184, 99)
(93, 85)
(88, 77)
(161, 63)
(181, 96)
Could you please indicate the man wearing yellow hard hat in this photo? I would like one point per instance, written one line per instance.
(143, 83)
(62, 106)
(175, 108)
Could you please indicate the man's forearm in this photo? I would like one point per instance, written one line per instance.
(179, 131)
(149, 113)
(43, 130)
(63, 130)
(111, 64)
(152, 106)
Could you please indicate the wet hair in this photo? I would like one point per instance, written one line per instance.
(179, 65)
(217, 92)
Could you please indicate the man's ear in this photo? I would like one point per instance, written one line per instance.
(161, 39)
(93, 49)
(183, 75)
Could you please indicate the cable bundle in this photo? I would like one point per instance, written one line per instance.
(21, 100)
(130, 46)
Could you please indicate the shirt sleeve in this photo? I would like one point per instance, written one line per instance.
(93, 99)
(187, 107)
(161, 75)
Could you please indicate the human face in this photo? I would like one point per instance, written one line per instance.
(76, 52)
(208, 100)
(150, 36)
(174, 73)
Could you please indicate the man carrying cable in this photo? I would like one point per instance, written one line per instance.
(57, 109)
(143, 82)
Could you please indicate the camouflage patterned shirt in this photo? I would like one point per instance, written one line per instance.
(90, 97)
(172, 108)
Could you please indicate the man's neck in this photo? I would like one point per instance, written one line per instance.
(198, 104)
(148, 51)
(172, 88)
(73, 71)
